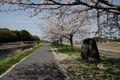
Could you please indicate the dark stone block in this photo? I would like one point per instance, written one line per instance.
(89, 50)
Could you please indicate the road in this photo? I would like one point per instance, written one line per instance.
(40, 65)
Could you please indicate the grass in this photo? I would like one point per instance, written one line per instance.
(78, 43)
(101, 54)
(65, 49)
(107, 69)
(110, 51)
(7, 63)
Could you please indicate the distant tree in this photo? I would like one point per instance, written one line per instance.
(7, 36)
(12, 36)
(118, 40)
(36, 38)
(18, 34)
(99, 39)
(26, 36)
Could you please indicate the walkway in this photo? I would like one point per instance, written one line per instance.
(104, 51)
(109, 50)
(40, 65)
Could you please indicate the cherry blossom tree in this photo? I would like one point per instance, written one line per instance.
(49, 34)
(99, 8)
(108, 27)
(105, 5)
(66, 26)
(108, 24)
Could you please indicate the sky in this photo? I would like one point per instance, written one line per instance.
(19, 20)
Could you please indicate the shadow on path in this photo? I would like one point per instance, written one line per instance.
(46, 71)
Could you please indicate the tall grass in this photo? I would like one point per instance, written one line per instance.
(6, 64)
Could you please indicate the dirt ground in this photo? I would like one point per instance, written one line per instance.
(109, 45)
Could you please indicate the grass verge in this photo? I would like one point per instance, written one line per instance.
(110, 51)
(107, 69)
(6, 64)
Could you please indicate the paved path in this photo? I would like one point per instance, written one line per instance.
(110, 50)
(104, 51)
(40, 65)
(116, 55)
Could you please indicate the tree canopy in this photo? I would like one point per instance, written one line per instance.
(65, 27)
(6, 35)
(105, 12)
(104, 5)
(12, 36)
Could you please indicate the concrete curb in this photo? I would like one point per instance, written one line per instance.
(17, 63)
(57, 62)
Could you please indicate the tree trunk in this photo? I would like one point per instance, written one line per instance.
(71, 42)
(61, 41)
(57, 42)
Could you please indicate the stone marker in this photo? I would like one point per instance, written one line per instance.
(89, 50)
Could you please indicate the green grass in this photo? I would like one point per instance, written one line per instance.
(105, 55)
(65, 49)
(78, 43)
(107, 69)
(6, 64)
(110, 51)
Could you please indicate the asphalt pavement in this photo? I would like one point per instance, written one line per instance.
(40, 65)
(113, 53)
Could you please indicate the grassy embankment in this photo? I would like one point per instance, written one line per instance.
(107, 69)
(7, 63)
(107, 44)
(78, 43)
